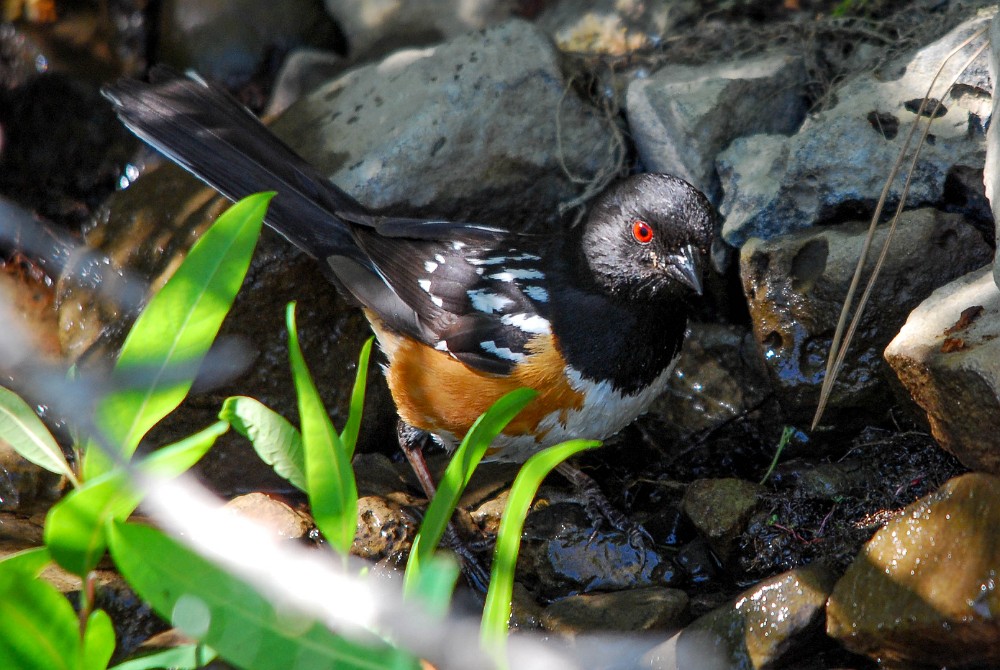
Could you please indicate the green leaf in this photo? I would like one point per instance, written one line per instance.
(98, 641)
(162, 353)
(496, 612)
(76, 525)
(274, 438)
(38, 627)
(456, 477)
(227, 614)
(24, 431)
(436, 584)
(353, 426)
(333, 494)
(184, 657)
(29, 561)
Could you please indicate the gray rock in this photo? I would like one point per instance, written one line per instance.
(796, 285)
(228, 40)
(991, 175)
(719, 509)
(465, 129)
(303, 70)
(380, 26)
(923, 591)
(634, 610)
(838, 161)
(683, 116)
(948, 358)
(758, 629)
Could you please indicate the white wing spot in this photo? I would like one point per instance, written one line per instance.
(501, 352)
(441, 345)
(430, 266)
(487, 302)
(439, 258)
(425, 284)
(492, 260)
(533, 323)
(437, 301)
(457, 246)
(536, 293)
(518, 273)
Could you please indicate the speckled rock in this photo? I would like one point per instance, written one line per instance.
(466, 129)
(634, 610)
(719, 509)
(948, 358)
(923, 590)
(683, 116)
(836, 165)
(759, 629)
(796, 285)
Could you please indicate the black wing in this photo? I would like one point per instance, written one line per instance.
(435, 280)
(480, 302)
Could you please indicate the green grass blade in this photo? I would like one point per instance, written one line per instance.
(175, 331)
(21, 428)
(436, 583)
(496, 612)
(29, 561)
(456, 477)
(333, 494)
(274, 438)
(349, 436)
(75, 528)
(242, 626)
(39, 627)
(184, 657)
(98, 642)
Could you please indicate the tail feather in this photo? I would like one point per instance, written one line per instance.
(209, 133)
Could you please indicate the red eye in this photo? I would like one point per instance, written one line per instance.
(642, 231)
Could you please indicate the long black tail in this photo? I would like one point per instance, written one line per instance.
(209, 133)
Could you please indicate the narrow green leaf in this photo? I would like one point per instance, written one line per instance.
(39, 628)
(496, 612)
(333, 494)
(353, 426)
(276, 441)
(456, 477)
(29, 561)
(24, 431)
(436, 584)
(227, 614)
(185, 657)
(98, 642)
(76, 525)
(161, 355)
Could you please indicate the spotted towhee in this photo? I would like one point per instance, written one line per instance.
(592, 317)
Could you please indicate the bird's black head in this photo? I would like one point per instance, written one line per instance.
(648, 237)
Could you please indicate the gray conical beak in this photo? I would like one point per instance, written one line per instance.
(686, 267)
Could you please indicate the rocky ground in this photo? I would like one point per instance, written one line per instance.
(865, 545)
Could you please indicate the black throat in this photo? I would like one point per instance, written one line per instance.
(628, 343)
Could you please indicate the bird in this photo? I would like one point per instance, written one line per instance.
(590, 316)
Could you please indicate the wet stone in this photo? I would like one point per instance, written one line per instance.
(759, 629)
(563, 553)
(796, 284)
(635, 610)
(719, 509)
(385, 529)
(923, 590)
(272, 513)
